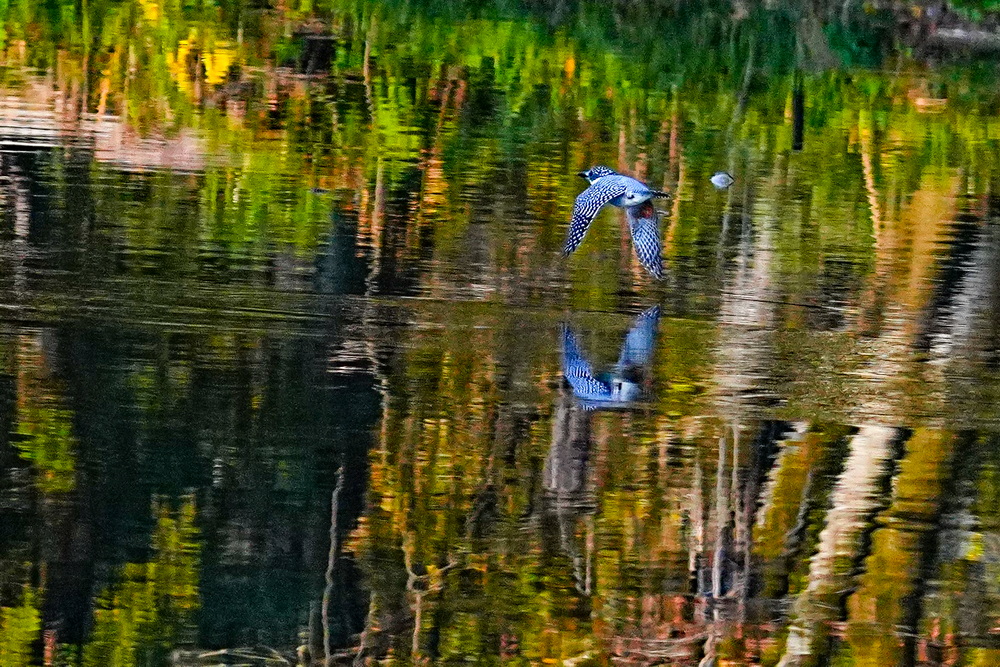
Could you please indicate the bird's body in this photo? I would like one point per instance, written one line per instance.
(622, 386)
(635, 191)
(609, 187)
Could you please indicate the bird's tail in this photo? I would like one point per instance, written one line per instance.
(661, 194)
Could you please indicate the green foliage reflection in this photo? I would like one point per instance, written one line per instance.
(20, 628)
(141, 619)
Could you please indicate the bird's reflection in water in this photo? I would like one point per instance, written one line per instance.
(623, 386)
(568, 494)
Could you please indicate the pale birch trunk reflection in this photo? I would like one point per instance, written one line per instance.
(743, 354)
(568, 494)
(905, 264)
(830, 568)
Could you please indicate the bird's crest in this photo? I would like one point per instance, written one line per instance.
(599, 171)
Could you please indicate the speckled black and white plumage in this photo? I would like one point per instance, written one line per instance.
(637, 349)
(578, 371)
(610, 187)
(597, 172)
(621, 387)
(587, 205)
(644, 224)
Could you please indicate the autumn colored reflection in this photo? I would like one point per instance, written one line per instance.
(292, 370)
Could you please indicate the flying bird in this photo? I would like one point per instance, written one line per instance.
(609, 187)
(621, 387)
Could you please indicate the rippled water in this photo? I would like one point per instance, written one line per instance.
(292, 369)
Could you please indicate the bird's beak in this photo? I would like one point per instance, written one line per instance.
(583, 174)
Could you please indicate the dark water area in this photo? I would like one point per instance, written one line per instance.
(293, 371)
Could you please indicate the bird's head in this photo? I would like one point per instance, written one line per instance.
(596, 172)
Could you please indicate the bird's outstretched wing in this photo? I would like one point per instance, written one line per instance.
(577, 370)
(644, 223)
(637, 349)
(588, 203)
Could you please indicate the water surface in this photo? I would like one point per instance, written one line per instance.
(292, 369)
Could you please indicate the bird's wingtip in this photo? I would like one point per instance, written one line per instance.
(654, 270)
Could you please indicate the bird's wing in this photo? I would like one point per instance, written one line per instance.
(588, 203)
(644, 223)
(577, 370)
(637, 349)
